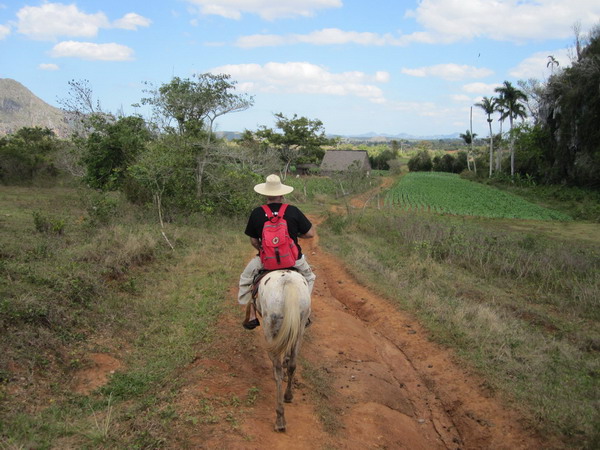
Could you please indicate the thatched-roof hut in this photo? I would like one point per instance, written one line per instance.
(343, 160)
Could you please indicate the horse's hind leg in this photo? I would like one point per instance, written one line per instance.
(291, 368)
(278, 373)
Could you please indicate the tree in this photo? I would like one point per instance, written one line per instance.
(489, 107)
(195, 105)
(300, 141)
(421, 162)
(514, 109)
(111, 148)
(26, 154)
(501, 110)
(468, 138)
(552, 62)
(570, 116)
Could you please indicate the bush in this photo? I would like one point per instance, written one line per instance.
(421, 162)
(27, 154)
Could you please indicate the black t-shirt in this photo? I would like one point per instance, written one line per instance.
(296, 221)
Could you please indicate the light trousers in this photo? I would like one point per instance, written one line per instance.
(247, 277)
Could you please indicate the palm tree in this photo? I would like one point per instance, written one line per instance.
(469, 138)
(512, 98)
(489, 107)
(551, 63)
(500, 109)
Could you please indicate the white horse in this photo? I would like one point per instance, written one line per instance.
(284, 304)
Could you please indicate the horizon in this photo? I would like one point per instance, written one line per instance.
(386, 67)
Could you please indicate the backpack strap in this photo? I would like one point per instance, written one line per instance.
(280, 213)
(282, 209)
(267, 211)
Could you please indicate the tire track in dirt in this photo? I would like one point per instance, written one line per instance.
(392, 387)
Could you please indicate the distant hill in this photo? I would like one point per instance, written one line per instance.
(19, 108)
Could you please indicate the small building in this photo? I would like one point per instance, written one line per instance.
(306, 169)
(343, 160)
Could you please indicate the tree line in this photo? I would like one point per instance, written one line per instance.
(559, 143)
(174, 159)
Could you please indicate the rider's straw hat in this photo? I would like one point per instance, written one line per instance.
(273, 187)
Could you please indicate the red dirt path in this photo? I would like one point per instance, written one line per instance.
(391, 386)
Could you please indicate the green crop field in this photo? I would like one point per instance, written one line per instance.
(449, 194)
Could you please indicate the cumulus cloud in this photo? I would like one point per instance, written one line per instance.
(91, 51)
(510, 20)
(451, 72)
(444, 21)
(480, 88)
(48, 66)
(536, 66)
(131, 21)
(51, 20)
(326, 36)
(4, 31)
(305, 78)
(461, 98)
(266, 9)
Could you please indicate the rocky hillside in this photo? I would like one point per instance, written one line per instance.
(19, 107)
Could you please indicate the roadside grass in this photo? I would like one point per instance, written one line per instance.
(322, 392)
(522, 309)
(579, 203)
(109, 283)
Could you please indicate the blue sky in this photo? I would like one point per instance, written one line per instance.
(359, 66)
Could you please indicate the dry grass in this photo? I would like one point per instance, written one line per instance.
(511, 328)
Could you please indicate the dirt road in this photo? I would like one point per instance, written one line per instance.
(390, 386)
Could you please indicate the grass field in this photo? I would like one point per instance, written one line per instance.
(449, 194)
(520, 303)
(81, 273)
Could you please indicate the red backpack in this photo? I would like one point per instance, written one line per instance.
(278, 251)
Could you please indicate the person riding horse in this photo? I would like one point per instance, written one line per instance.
(298, 227)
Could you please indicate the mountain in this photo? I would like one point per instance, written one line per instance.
(19, 108)
(401, 136)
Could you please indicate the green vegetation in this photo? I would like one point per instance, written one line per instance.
(449, 194)
(84, 272)
(521, 308)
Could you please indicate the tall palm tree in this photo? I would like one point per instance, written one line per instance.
(469, 138)
(512, 98)
(552, 62)
(489, 107)
(500, 109)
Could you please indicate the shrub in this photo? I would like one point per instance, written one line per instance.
(421, 162)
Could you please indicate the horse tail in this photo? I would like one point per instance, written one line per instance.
(289, 333)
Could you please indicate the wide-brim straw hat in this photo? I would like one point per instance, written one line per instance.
(273, 187)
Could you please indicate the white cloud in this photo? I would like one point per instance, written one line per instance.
(509, 20)
(461, 98)
(4, 31)
(91, 51)
(305, 78)
(131, 21)
(480, 88)
(49, 66)
(332, 36)
(266, 9)
(51, 20)
(536, 66)
(451, 72)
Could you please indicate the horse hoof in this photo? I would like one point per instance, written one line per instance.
(288, 399)
(280, 428)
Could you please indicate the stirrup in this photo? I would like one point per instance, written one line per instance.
(251, 325)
